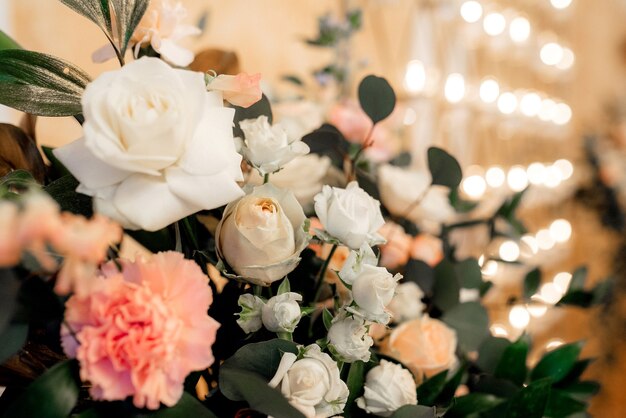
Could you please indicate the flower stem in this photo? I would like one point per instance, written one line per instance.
(322, 274)
(285, 336)
(266, 178)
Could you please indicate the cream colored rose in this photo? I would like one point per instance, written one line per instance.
(427, 248)
(407, 302)
(311, 384)
(400, 189)
(349, 340)
(282, 313)
(427, 346)
(372, 291)
(350, 215)
(388, 387)
(262, 235)
(353, 265)
(156, 148)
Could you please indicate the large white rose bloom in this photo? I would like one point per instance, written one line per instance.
(388, 387)
(156, 148)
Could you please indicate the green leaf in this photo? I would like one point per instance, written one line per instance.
(376, 97)
(13, 339)
(415, 411)
(187, 407)
(446, 289)
(444, 168)
(449, 389)
(512, 364)
(578, 278)
(602, 291)
(490, 352)
(294, 79)
(356, 378)
(40, 84)
(249, 386)
(327, 317)
(531, 401)
(21, 179)
(95, 10)
(429, 390)
(53, 395)
(63, 190)
(472, 404)
(557, 363)
(128, 14)
(498, 387)
(284, 287)
(59, 170)
(471, 322)
(421, 274)
(562, 405)
(6, 42)
(582, 390)
(469, 273)
(260, 108)
(9, 288)
(579, 298)
(532, 282)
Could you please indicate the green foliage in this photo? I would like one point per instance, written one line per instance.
(63, 190)
(6, 42)
(13, 338)
(532, 282)
(421, 274)
(355, 381)
(557, 363)
(446, 287)
(473, 403)
(328, 141)
(284, 287)
(260, 108)
(415, 411)
(578, 279)
(430, 389)
(444, 168)
(512, 364)
(531, 401)
(469, 273)
(327, 317)
(471, 322)
(376, 97)
(9, 288)
(490, 352)
(57, 169)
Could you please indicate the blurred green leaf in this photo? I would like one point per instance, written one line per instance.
(446, 288)
(578, 298)
(512, 364)
(421, 274)
(376, 97)
(57, 168)
(20, 179)
(532, 282)
(415, 411)
(444, 168)
(469, 273)
(9, 289)
(531, 401)
(474, 403)
(449, 389)
(63, 190)
(430, 389)
(327, 317)
(13, 339)
(128, 14)
(557, 363)
(355, 381)
(498, 387)
(6, 42)
(561, 405)
(578, 279)
(471, 322)
(260, 108)
(490, 352)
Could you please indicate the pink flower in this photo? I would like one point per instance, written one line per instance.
(395, 252)
(10, 248)
(427, 248)
(143, 330)
(239, 90)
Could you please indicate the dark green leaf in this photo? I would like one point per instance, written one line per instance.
(9, 288)
(471, 322)
(415, 411)
(327, 317)
(449, 389)
(95, 10)
(579, 298)
(328, 141)
(576, 372)
(471, 404)
(578, 278)
(602, 292)
(64, 192)
(562, 405)
(376, 97)
(356, 378)
(59, 170)
(262, 107)
(582, 391)
(490, 352)
(154, 241)
(508, 208)
(21, 179)
(53, 395)
(429, 390)
(512, 364)
(128, 14)
(13, 338)
(421, 274)
(557, 363)
(459, 204)
(494, 386)
(444, 168)
(6, 42)
(532, 282)
(355, 18)
(249, 386)
(187, 407)
(446, 289)
(293, 79)
(469, 273)
(485, 287)
(531, 401)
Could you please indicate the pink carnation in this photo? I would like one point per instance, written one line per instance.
(240, 90)
(142, 331)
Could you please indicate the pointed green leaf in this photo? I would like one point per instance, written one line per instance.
(444, 168)
(327, 317)
(557, 363)
(473, 403)
(429, 390)
(376, 97)
(531, 401)
(6, 42)
(532, 282)
(512, 364)
(578, 279)
(128, 14)
(490, 352)
(284, 287)
(260, 108)
(356, 378)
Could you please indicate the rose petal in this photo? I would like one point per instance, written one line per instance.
(205, 192)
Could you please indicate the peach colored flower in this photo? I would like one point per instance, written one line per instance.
(427, 248)
(395, 252)
(10, 249)
(142, 330)
(426, 346)
(239, 90)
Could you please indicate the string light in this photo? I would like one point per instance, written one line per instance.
(410, 116)
(560, 230)
(531, 242)
(415, 77)
(567, 60)
(519, 317)
(519, 29)
(555, 343)
(490, 268)
(552, 178)
(537, 310)
(507, 103)
(550, 293)
(471, 11)
(563, 114)
(498, 330)
(495, 177)
(509, 251)
(517, 178)
(545, 240)
(562, 281)
(455, 88)
(494, 24)
(560, 4)
(474, 186)
(489, 90)
(565, 168)
(536, 172)
(551, 53)
(530, 104)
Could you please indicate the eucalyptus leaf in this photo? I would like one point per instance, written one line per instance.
(557, 363)
(415, 411)
(377, 98)
(469, 273)
(444, 168)
(446, 288)
(13, 339)
(532, 282)
(421, 274)
(578, 279)
(6, 42)
(471, 322)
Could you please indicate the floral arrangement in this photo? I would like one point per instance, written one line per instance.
(161, 267)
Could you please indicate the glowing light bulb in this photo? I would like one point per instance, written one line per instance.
(494, 24)
(471, 11)
(563, 114)
(495, 177)
(551, 53)
(562, 281)
(554, 343)
(567, 60)
(507, 103)
(552, 177)
(544, 239)
(549, 293)
(474, 186)
(481, 260)
(536, 171)
(455, 88)
(531, 242)
(561, 230)
(519, 29)
(565, 168)
(536, 310)
(530, 105)
(509, 251)
(560, 4)
(498, 330)
(490, 268)
(547, 110)
(489, 90)
(517, 178)
(519, 317)
(415, 77)
(410, 116)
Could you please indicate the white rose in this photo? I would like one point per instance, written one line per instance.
(373, 290)
(407, 302)
(268, 148)
(350, 215)
(349, 339)
(156, 148)
(262, 235)
(250, 315)
(400, 189)
(388, 387)
(311, 384)
(355, 262)
(282, 313)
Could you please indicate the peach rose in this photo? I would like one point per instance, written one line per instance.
(427, 346)
(142, 331)
(239, 90)
(395, 252)
(427, 248)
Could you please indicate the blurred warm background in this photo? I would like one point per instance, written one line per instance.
(509, 87)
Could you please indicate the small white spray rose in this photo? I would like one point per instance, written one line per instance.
(388, 387)
(349, 339)
(407, 303)
(268, 148)
(350, 215)
(250, 315)
(355, 262)
(282, 313)
(312, 383)
(372, 291)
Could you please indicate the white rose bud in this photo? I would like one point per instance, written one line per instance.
(282, 313)
(267, 148)
(407, 303)
(262, 235)
(355, 262)
(349, 339)
(311, 384)
(250, 315)
(373, 290)
(388, 387)
(156, 147)
(350, 215)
